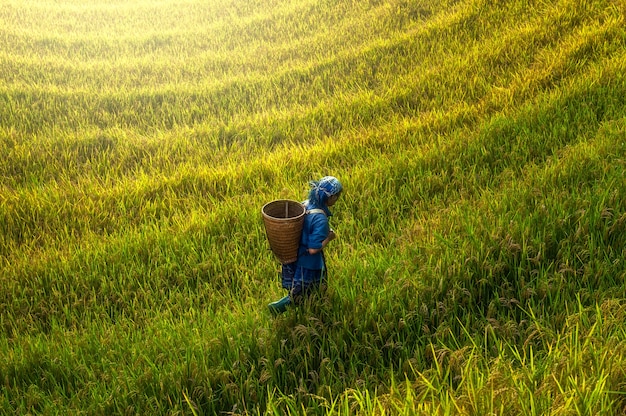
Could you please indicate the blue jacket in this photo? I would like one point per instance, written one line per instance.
(314, 230)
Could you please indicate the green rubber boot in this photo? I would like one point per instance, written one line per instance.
(279, 306)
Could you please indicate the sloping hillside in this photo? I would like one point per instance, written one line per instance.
(479, 267)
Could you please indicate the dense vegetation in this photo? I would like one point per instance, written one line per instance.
(480, 263)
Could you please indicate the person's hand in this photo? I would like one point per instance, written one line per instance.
(331, 236)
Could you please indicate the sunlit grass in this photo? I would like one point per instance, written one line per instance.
(480, 265)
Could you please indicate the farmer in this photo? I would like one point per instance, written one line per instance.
(308, 272)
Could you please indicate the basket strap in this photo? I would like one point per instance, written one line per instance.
(315, 211)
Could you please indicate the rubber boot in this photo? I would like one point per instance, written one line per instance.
(279, 306)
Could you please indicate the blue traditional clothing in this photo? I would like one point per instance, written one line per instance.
(306, 273)
(323, 189)
(314, 231)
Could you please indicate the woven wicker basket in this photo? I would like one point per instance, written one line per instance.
(283, 221)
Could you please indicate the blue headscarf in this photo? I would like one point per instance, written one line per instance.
(323, 189)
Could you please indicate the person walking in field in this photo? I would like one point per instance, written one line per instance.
(308, 272)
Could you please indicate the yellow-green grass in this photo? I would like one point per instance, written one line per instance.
(480, 265)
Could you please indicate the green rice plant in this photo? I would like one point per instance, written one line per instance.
(479, 267)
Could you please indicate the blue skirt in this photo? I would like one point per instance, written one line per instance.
(300, 281)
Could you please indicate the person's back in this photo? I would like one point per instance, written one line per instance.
(314, 231)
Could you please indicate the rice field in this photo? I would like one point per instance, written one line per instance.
(479, 267)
